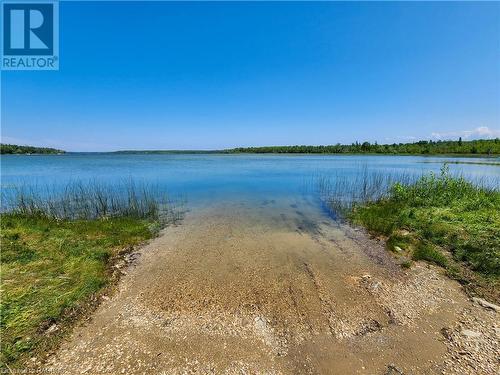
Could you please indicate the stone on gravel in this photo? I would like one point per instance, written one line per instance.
(393, 370)
(52, 328)
(470, 334)
(486, 304)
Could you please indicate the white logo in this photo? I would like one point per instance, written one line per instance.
(17, 29)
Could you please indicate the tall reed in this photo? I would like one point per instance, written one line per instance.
(89, 200)
(339, 192)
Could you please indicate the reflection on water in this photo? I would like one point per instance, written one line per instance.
(208, 179)
(484, 161)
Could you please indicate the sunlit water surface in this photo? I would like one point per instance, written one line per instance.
(208, 179)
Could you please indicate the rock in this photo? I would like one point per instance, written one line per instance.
(376, 285)
(398, 249)
(371, 326)
(486, 304)
(132, 257)
(393, 370)
(260, 323)
(470, 334)
(446, 332)
(52, 328)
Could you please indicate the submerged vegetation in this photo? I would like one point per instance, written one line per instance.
(441, 219)
(15, 149)
(58, 252)
(479, 147)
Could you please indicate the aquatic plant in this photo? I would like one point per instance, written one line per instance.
(340, 192)
(89, 200)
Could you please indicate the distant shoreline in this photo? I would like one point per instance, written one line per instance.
(475, 148)
(493, 156)
(222, 153)
(481, 147)
(8, 149)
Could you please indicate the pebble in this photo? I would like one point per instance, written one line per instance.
(470, 334)
(52, 328)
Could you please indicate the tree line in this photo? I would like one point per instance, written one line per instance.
(458, 147)
(16, 149)
(479, 147)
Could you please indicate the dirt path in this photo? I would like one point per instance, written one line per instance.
(240, 289)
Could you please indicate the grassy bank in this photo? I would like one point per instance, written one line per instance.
(443, 220)
(58, 256)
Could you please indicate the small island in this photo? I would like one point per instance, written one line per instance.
(17, 150)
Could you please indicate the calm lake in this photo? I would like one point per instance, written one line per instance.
(209, 178)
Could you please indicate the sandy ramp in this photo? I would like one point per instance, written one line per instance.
(264, 289)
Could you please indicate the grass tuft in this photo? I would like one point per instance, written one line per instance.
(426, 251)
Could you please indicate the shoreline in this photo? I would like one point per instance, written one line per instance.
(232, 289)
(69, 153)
(285, 271)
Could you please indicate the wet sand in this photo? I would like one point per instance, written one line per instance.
(278, 288)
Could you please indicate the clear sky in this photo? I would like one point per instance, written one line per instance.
(214, 75)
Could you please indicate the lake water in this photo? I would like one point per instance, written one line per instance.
(209, 178)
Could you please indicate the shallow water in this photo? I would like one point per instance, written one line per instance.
(207, 178)
(258, 278)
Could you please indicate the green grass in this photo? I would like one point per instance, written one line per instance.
(58, 251)
(444, 220)
(51, 270)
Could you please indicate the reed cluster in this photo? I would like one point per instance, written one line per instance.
(89, 200)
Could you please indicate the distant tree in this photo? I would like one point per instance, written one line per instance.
(16, 149)
(491, 147)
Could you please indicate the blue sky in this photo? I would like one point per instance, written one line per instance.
(163, 75)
